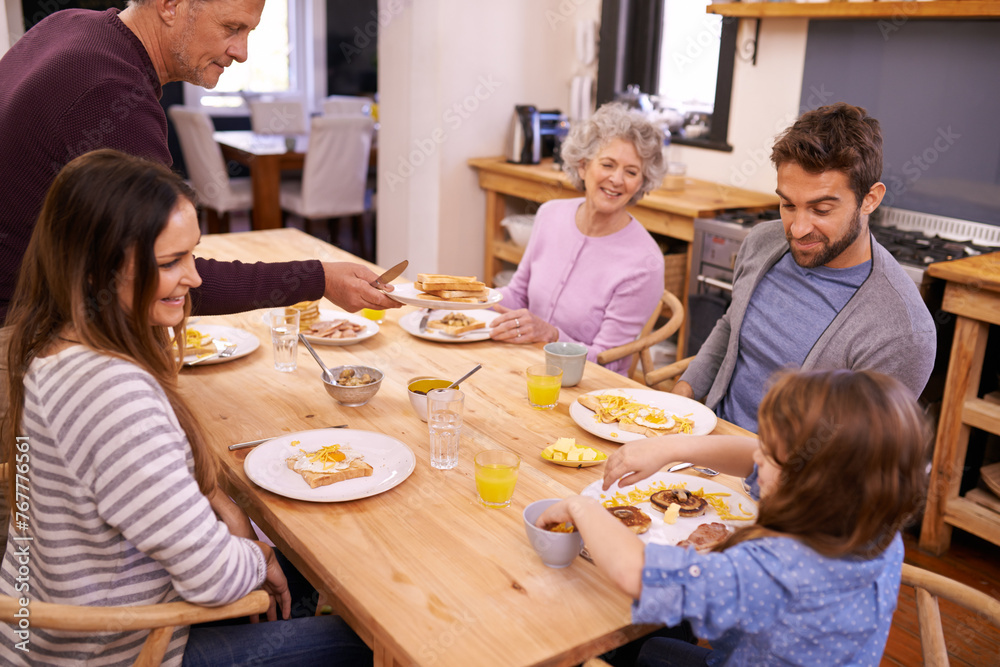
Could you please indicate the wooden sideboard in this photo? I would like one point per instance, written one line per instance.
(972, 294)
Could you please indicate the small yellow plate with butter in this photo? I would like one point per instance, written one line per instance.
(565, 452)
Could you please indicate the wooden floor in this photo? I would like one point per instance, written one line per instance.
(971, 640)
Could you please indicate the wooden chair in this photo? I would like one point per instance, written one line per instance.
(639, 349)
(161, 619)
(930, 586)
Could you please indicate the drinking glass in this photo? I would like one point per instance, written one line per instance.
(496, 475)
(377, 316)
(543, 385)
(444, 422)
(284, 324)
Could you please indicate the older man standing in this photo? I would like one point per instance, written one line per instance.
(81, 80)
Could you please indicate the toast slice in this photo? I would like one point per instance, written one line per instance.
(475, 286)
(358, 468)
(441, 278)
(457, 299)
(457, 294)
(455, 330)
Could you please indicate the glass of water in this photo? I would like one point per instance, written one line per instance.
(444, 421)
(284, 324)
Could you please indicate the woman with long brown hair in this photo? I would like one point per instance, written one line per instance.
(841, 469)
(122, 503)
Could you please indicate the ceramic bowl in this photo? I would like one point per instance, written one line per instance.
(519, 228)
(349, 396)
(424, 383)
(555, 549)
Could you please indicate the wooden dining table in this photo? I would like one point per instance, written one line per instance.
(423, 572)
(267, 155)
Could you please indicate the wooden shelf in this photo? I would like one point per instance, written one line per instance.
(966, 9)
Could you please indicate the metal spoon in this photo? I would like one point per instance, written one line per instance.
(701, 469)
(327, 375)
(459, 380)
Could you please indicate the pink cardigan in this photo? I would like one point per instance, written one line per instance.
(598, 291)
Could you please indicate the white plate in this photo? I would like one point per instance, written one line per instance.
(391, 459)
(410, 295)
(704, 419)
(411, 325)
(370, 328)
(245, 341)
(664, 533)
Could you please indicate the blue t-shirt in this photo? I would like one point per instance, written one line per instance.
(788, 312)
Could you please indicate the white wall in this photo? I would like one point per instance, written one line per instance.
(11, 24)
(450, 73)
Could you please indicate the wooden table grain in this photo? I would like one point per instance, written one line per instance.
(423, 572)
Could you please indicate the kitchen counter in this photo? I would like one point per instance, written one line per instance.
(972, 294)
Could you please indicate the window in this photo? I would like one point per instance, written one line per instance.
(680, 53)
(275, 65)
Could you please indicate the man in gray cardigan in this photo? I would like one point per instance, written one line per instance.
(815, 290)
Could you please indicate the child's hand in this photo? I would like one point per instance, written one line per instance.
(557, 513)
(637, 460)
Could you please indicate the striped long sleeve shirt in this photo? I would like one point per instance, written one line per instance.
(114, 513)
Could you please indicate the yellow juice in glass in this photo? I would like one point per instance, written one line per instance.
(495, 484)
(543, 386)
(374, 315)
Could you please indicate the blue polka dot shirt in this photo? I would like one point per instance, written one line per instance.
(775, 601)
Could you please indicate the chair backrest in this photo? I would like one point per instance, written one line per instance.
(160, 618)
(205, 165)
(930, 586)
(335, 174)
(347, 105)
(278, 117)
(639, 349)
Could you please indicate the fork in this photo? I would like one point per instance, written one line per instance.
(422, 327)
(229, 351)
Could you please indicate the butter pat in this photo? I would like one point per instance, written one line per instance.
(670, 516)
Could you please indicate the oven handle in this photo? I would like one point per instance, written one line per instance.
(715, 283)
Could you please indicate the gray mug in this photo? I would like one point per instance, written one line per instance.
(570, 357)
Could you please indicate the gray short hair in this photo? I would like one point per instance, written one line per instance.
(616, 121)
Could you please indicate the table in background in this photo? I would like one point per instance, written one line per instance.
(423, 572)
(972, 294)
(267, 156)
(666, 212)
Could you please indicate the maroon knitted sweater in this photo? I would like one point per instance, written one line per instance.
(80, 80)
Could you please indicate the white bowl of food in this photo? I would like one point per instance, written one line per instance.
(519, 228)
(352, 386)
(557, 546)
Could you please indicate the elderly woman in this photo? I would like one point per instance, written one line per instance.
(591, 273)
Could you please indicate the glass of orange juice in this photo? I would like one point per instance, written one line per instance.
(376, 316)
(496, 475)
(544, 381)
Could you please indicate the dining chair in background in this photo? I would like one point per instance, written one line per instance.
(278, 116)
(347, 105)
(335, 177)
(639, 349)
(160, 619)
(218, 193)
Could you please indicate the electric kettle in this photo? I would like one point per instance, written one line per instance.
(524, 140)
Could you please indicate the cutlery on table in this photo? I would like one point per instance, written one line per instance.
(326, 371)
(422, 328)
(254, 443)
(701, 469)
(461, 379)
(389, 275)
(228, 351)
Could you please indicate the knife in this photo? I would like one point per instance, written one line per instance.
(422, 328)
(389, 275)
(254, 443)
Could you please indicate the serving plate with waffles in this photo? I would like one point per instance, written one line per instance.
(722, 505)
(624, 415)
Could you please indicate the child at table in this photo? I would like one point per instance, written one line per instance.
(124, 502)
(841, 469)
